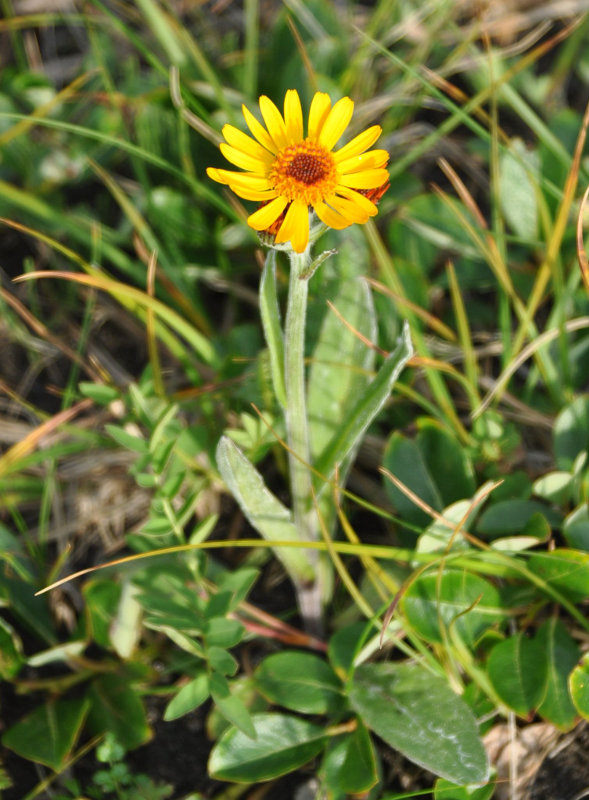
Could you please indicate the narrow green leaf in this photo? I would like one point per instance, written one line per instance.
(518, 672)
(230, 705)
(48, 735)
(299, 681)
(366, 407)
(418, 714)
(190, 696)
(518, 189)
(265, 512)
(561, 653)
(128, 440)
(283, 744)
(270, 313)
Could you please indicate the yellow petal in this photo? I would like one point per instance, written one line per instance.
(243, 160)
(274, 122)
(248, 180)
(293, 116)
(358, 144)
(253, 194)
(330, 217)
(336, 122)
(368, 179)
(259, 131)
(372, 160)
(217, 174)
(367, 205)
(318, 113)
(241, 141)
(265, 216)
(295, 227)
(348, 209)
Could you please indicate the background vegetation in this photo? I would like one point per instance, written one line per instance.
(462, 542)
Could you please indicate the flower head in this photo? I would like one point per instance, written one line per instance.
(290, 174)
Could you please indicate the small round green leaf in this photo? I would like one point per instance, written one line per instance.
(283, 743)
(349, 766)
(561, 653)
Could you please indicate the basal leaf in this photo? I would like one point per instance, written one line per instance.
(418, 714)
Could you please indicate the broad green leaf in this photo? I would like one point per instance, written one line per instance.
(190, 696)
(418, 714)
(511, 516)
(263, 509)
(437, 535)
(576, 528)
(230, 705)
(579, 686)
(457, 599)
(561, 653)
(283, 743)
(340, 363)
(301, 682)
(349, 765)
(565, 570)
(571, 432)
(238, 584)
(444, 790)
(518, 672)
(366, 407)
(404, 459)
(270, 313)
(116, 707)
(518, 189)
(446, 460)
(48, 735)
(554, 487)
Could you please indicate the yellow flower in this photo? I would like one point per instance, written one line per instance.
(290, 174)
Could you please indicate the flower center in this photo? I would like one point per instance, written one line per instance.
(304, 171)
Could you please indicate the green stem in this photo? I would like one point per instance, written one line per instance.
(297, 429)
(296, 406)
